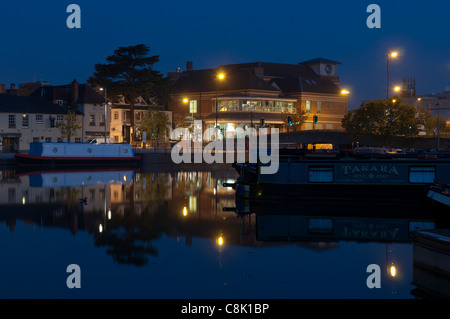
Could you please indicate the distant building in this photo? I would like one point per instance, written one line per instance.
(251, 92)
(83, 98)
(121, 120)
(26, 119)
(436, 103)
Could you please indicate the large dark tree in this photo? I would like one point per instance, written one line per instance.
(129, 72)
(382, 119)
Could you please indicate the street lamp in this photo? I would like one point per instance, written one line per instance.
(186, 101)
(345, 93)
(220, 77)
(106, 103)
(393, 54)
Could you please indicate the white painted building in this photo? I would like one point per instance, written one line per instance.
(27, 119)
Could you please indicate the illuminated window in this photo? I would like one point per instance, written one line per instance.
(25, 120)
(308, 106)
(39, 119)
(193, 106)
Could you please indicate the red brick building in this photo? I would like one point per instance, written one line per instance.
(250, 92)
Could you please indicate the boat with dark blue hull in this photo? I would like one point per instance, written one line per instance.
(344, 176)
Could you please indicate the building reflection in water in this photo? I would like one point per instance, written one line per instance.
(126, 211)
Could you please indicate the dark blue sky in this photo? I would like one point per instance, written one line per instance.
(36, 43)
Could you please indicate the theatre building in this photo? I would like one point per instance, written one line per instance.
(260, 94)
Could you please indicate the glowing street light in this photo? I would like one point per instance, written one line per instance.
(220, 77)
(394, 55)
(397, 89)
(345, 92)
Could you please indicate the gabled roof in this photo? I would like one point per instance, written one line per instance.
(243, 77)
(29, 104)
(86, 94)
(307, 85)
(274, 69)
(206, 81)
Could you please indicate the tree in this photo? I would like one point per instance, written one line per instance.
(298, 119)
(155, 123)
(129, 72)
(70, 126)
(431, 122)
(382, 119)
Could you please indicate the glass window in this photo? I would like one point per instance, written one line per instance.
(116, 115)
(48, 139)
(319, 107)
(25, 120)
(422, 174)
(320, 174)
(193, 106)
(138, 118)
(59, 118)
(35, 139)
(102, 119)
(39, 119)
(11, 121)
(308, 106)
(92, 119)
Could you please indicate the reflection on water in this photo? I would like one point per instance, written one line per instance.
(131, 215)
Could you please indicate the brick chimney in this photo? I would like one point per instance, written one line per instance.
(189, 66)
(74, 86)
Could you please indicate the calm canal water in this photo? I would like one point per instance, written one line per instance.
(172, 234)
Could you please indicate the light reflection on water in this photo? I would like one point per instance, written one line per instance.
(176, 234)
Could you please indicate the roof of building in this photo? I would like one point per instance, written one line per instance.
(86, 94)
(29, 104)
(206, 81)
(310, 85)
(274, 77)
(320, 60)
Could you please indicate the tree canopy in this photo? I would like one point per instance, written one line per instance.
(383, 119)
(129, 72)
(70, 126)
(155, 124)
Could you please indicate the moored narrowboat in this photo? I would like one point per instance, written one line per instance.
(78, 154)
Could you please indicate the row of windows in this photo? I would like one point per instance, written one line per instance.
(126, 115)
(39, 119)
(328, 106)
(49, 139)
(417, 174)
(249, 106)
(259, 106)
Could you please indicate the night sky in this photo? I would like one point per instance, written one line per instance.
(36, 43)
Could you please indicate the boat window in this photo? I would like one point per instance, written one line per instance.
(320, 225)
(319, 174)
(422, 174)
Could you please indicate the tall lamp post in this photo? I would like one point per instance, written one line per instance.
(106, 103)
(220, 77)
(345, 93)
(392, 55)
